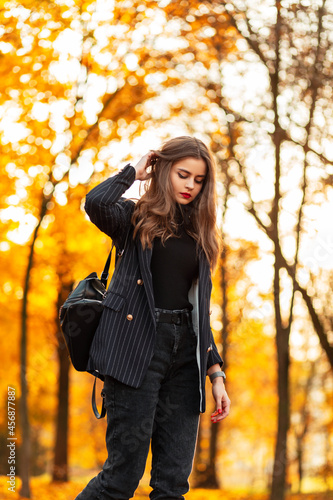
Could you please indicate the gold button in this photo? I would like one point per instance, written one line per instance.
(129, 317)
(210, 312)
(140, 282)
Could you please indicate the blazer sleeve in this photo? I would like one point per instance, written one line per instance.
(105, 207)
(213, 356)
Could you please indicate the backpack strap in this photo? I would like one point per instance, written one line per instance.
(119, 254)
(102, 413)
(105, 273)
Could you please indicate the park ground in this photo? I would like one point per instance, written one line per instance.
(43, 489)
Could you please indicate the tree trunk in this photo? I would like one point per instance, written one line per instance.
(211, 476)
(299, 449)
(60, 465)
(24, 411)
(302, 433)
(225, 318)
(282, 345)
(24, 416)
(280, 460)
(208, 478)
(282, 334)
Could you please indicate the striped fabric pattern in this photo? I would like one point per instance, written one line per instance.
(125, 338)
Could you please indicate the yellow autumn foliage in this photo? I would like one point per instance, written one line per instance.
(78, 90)
(43, 489)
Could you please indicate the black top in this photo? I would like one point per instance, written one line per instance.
(174, 265)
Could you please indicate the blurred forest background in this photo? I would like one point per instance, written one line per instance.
(87, 86)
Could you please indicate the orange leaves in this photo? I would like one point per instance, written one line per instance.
(43, 489)
(71, 109)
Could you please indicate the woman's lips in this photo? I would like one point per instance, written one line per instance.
(186, 195)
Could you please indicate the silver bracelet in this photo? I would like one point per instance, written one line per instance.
(217, 374)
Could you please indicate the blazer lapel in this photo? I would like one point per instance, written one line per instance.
(204, 274)
(144, 262)
(198, 295)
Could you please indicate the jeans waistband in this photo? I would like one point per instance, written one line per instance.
(175, 317)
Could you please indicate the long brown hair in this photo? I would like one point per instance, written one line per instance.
(155, 213)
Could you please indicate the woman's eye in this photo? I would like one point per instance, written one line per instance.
(182, 176)
(199, 182)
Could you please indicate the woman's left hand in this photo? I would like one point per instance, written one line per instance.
(141, 173)
(221, 399)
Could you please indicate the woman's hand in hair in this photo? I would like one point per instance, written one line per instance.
(142, 166)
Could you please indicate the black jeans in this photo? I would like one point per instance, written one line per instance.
(164, 410)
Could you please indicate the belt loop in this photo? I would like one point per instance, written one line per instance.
(176, 318)
(188, 318)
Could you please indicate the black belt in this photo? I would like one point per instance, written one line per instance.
(175, 318)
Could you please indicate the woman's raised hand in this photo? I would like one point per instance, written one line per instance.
(142, 165)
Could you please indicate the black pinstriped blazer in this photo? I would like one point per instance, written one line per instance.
(124, 341)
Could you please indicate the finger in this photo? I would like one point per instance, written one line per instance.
(149, 159)
(216, 416)
(152, 157)
(221, 413)
(217, 412)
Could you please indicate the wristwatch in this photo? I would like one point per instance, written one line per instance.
(217, 374)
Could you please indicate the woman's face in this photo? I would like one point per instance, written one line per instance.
(187, 176)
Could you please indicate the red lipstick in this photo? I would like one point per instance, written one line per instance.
(186, 195)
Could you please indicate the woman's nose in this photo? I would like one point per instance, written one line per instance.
(189, 183)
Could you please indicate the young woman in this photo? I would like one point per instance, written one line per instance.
(154, 347)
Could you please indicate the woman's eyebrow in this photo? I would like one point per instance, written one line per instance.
(189, 173)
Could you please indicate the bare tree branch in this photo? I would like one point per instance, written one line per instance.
(314, 84)
(253, 44)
